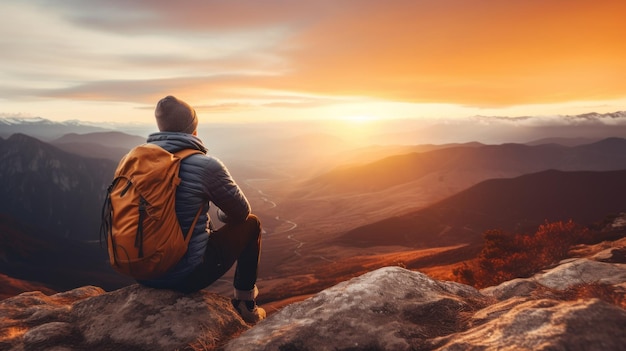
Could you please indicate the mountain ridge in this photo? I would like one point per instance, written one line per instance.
(61, 190)
(28, 190)
(520, 203)
(605, 154)
(110, 145)
(486, 129)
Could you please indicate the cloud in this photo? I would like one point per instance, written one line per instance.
(146, 16)
(56, 55)
(226, 92)
(140, 90)
(238, 53)
(585, 119)
(471, 53)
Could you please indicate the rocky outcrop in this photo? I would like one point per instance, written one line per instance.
(569, 273)
(544, 325)
(397, 309)
(387, 309)
(131, 318)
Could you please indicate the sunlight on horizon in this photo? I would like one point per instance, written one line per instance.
(358, 129)
(359, 119)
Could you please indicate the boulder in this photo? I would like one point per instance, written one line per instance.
(547, 325)
(611, 255)
(397, 309)
(569, 273)
(511, 288)
(388, 309)
(582, 271)
(131, 318)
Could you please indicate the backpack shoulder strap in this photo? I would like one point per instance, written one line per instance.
(184, 153)
(193, 225)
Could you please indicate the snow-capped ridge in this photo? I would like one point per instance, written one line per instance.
(25, 120)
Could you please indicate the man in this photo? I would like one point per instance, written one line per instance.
(204, 179)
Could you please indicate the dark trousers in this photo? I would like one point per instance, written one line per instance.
(231, 243)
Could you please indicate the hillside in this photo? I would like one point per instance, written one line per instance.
(56, 191)
(373, 153)
(33, 257)
(564, 141)
(352, 196)
(493, 161)
(42, 128)
(10, 287)
(516, 204)
(108, 145)
(102, 138)
(441, 236)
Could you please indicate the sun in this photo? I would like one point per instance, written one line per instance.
(356, 129)
(359, 119)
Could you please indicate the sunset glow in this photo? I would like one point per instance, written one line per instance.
(360, 119)
(247, 61)
(356, 129)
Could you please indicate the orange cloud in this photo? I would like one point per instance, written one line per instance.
(480, 53)
(470, 52)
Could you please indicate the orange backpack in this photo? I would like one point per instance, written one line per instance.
(139, 221)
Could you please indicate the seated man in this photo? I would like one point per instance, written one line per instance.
(204, 179)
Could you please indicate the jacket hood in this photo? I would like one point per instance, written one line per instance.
(173, 141)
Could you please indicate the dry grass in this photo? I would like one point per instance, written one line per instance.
(604, 292)
(506, 256)
(209, 341)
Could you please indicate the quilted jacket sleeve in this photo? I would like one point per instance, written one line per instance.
(225, 193)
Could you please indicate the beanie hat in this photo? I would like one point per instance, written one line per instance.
(174, 115)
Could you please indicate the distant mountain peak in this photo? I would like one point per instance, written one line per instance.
(21, 137)
(62, 190)
(29, 121)
(589, 116)
(24, 120)
(613, 142)
(595, 115)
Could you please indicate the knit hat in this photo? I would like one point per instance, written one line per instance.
(174, 115)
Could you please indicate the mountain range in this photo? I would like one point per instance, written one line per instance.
(449, 195)
(109, 145)
(485, 129)
(51, 189)
(492, 161)
(362, 193)
(517, 205)
(42, 128)
(438, 238)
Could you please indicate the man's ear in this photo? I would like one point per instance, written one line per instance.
(195, 132)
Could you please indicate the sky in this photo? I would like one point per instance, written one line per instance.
(247, 61)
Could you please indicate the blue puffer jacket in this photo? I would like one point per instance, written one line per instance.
(203, 179)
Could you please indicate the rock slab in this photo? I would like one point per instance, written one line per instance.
(131, 318)
(396, 309)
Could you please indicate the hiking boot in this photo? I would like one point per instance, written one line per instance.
(249, 311)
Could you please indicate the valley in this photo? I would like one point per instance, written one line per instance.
(334, 211)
